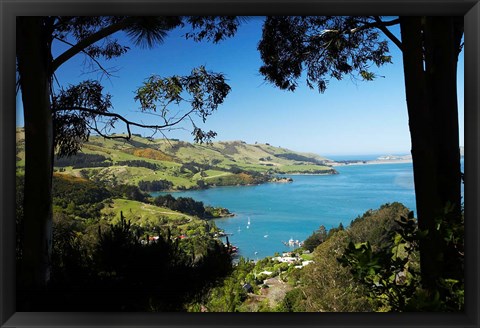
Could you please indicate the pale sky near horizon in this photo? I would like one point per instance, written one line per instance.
(350, 118)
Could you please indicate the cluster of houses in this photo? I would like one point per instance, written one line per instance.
(153, 239)
(149, 239)
(288, 257)
(292, 258)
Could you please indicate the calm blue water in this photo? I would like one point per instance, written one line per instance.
(278, 212)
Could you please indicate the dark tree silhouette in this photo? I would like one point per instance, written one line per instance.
(315, 239)
(62, 120)
(334, 47)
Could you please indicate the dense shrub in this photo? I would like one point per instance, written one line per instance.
(129, 192)
(139, 163)
(389, 268)
(327, 285)
(230, 148)
(299, 158)
(123, 274)
(77, 196)
(182, 204)
(242, 178)
(376, 226)
(229, 295)
(82, 160)
(177, 145)
(67, 188)
(293, 302)
(315, 239)
(155, 185)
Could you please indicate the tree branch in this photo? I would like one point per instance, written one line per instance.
(62, 21)
(101, 134)
(383, 27)
(128, 123)
(86, 53)
(89, 41)
(383, 23)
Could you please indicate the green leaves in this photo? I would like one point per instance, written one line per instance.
(213, 28)
(390, 273)
(368, 76)
(72, 122)
(409, 230)
(201, 136)
(361, 259)
(77, 109)
(324, 47)
(150, 30)
(203, 91)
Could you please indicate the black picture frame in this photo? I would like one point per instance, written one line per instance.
(9, 9)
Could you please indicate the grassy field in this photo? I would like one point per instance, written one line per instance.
(146, 215)
(142, 214)
(185, 165)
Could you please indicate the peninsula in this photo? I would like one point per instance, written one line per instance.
(171, 164)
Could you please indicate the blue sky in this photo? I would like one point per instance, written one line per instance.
(350, 118)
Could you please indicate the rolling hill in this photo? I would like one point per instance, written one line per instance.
(173, 164)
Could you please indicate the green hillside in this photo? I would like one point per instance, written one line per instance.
(159, 164)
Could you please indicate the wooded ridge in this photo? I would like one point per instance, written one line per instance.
(162, 164)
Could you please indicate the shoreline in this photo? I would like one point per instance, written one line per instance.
(374, 162)
(289, 174)
(332, 164)
(401, 160)
(281, 179)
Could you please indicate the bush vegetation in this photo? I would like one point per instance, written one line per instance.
(140, 163)
(298, 157)
(102, 266)
(82, 160)
(115, 265)
(190, 206)
(123, 274)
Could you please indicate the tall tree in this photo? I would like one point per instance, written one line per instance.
(62, 120)
(333, 47)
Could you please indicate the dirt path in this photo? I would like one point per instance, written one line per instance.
(277, 290)
(275, 293)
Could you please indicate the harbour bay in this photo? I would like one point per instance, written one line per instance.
(239, 164)
(278, 212)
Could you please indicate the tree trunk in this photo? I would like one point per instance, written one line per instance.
(442, 43)
(33, 58)
(430, 53)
